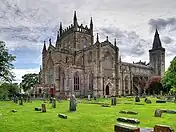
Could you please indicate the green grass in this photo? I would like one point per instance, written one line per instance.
(87, 118)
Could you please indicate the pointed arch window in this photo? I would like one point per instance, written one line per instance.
(90, 81)
(76, 81)
(90, 57)
(126, 83)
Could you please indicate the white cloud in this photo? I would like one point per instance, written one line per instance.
(20, 72)
(27, 23)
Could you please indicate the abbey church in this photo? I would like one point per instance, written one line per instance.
(77, 65)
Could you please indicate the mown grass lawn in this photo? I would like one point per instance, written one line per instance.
(87, 118)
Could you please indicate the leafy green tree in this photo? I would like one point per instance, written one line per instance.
(169, 79)
(6, 65)
(29, 80)
(7, 90)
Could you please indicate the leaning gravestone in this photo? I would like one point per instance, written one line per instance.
(88, 97)
(43, 107)
(137, 99)
(73, 103)
(54, 103)
(158, 113)
(125, 128)
(113, 100)
(162, 128)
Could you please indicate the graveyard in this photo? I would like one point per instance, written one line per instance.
(89, 116)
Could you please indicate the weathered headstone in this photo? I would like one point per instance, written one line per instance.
(28, 98)
(113, 100)
(160, 101)
(14, 110)
(37, 109)
(21, 101)
(62, 116)
(128, 120)
(44, 97)
(158, 113)
(95, 98)
(89, 97)
(54, 103)
(73, 103)
(137, 99)
(105, 105)
(162, 128)
(125, 128)
(43, 107)
(148, 101)
(50, 100)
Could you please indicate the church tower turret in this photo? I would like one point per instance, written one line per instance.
(157, 56)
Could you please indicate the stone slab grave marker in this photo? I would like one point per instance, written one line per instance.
(73, 103)
(53, 103)
(62, 116)
(89, 97)
(113, 101)
(43, 107)
(158, 113)
(137, 99)
(162, 128)
(119, 127)
(37, 109)
(128, 120)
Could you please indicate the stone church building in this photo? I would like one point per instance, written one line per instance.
(77, 65)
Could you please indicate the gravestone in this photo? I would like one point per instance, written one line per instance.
(54, 103)
(37, 109)
(21, 101)
(14, 110)
(89, 97)
(43, 107)
(50, 100)
(137, 99)
(106, 96)
(62, 116)
(145, 99)
(125, 128)
(73, 103)
(44, 97)
(148, 101)
(95, 98)
(162, 128)
(128, 120)
(28, 98)
(158, 113)
(113, 101)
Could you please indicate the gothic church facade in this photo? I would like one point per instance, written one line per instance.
(76, 65)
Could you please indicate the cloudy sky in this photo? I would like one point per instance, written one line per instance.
(25, 24)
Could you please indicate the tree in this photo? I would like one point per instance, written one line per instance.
(7, 90)
(6, 63)
(29, 80)
(154, 85)
(169, 79)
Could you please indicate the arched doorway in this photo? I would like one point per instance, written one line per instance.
(107, 90)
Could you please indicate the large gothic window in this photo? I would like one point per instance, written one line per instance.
(76, 81)
(51, 75)
(90, 57)
(90, 81)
